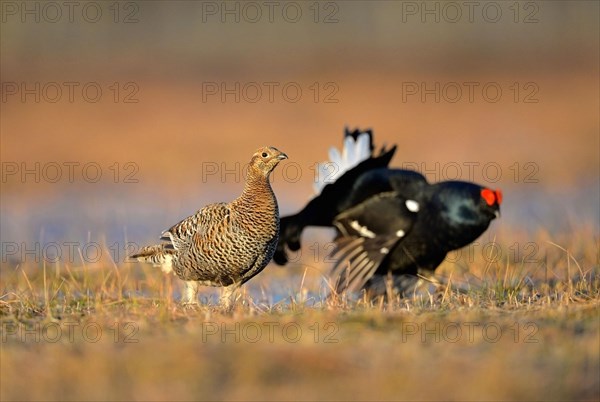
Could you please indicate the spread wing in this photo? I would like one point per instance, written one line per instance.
(367, 234)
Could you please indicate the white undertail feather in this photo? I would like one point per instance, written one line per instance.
(354, 152)
(167, 264)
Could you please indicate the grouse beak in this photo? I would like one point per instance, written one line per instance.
(282, 156)
(497, 213)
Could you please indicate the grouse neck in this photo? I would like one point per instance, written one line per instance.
(257, 192)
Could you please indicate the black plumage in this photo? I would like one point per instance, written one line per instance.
(346, 191)
(391, 223)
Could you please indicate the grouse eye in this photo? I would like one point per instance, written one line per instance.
(264, 155)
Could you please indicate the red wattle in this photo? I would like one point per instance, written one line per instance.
(489, 196)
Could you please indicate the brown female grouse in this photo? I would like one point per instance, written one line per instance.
(224, 244)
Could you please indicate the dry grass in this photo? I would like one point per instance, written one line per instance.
(115, 331)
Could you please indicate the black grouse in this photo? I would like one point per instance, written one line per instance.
(224, 244)
(391, 223)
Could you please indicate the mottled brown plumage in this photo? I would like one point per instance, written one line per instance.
(224, 244)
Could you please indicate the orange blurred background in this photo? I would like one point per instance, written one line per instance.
(179, 110)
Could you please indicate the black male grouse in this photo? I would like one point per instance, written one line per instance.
(391, 223)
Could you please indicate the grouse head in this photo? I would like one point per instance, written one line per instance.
(466, 208)
(265, 159)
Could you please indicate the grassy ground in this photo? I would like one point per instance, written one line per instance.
(107, 332)
(520, 325)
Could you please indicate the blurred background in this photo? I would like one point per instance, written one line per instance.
(120, 119)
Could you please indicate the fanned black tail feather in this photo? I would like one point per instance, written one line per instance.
(322, 209)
